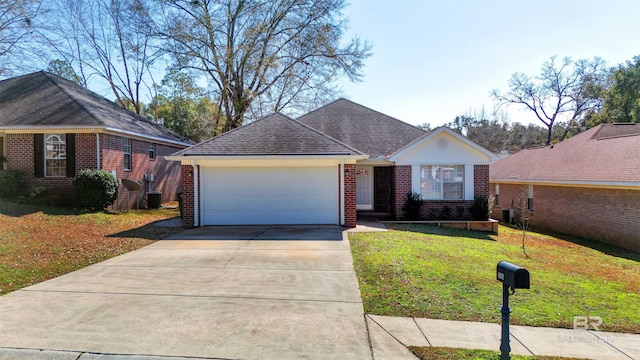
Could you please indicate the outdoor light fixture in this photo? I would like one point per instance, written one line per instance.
(190, 173)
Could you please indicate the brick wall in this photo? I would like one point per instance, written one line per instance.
(606, 215)
(350, 212)
(446, 210)
(402, 182)
(187, 196)
(20, 157)
(480, 180)
(167, 174)
(382, 188)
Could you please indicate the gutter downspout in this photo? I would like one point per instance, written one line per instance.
(196, 195)
(98, 167)
(342, 192)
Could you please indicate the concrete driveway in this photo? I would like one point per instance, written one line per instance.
(218, 292)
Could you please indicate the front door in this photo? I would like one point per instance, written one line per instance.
(364, 187)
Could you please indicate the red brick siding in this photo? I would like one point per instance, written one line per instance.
(437, 210)
(606, 215)
(350, 213)
(187, 196)
(20, 156)
(402, 184)
(166, 173)
(382, 188)
(480, 180)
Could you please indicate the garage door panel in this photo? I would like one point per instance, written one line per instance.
(264, 202)
(238, 196)
(274, 187)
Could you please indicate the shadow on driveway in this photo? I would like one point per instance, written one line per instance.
(262, 232)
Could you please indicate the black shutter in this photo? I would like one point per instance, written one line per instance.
(71, 154)
(38, 155)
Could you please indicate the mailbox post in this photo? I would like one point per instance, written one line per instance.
(512, 277)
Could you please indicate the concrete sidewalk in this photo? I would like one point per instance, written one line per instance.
(391, 335)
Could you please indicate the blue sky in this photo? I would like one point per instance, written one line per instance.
(435, 59)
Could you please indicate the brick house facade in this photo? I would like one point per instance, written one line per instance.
(607, 215)
(20, 149)
(586, 185)
(394, 167)
(73, 129)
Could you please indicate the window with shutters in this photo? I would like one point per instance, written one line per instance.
(55, 155)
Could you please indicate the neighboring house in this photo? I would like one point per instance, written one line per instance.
(587, 185)
(326, 165)
(50, 128)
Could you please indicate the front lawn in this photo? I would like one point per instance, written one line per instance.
(431, 272)
(39, 243)
(441, 353)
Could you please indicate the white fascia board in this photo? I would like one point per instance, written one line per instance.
(48, 129)
(622, 185)
(348, 159)
(375, 162)
(147, 137)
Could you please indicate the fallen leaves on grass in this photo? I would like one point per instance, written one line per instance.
(39, 243)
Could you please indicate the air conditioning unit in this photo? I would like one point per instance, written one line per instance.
(508, 216)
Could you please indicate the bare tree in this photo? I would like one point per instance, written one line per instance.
(560, 93)
(16, 26)
(262, 55)
(108, 40)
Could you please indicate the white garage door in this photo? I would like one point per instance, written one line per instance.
(258, 196)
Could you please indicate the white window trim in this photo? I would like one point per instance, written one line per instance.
(125, 153)
(442, 181)
(46, 139)
(528, 189)
(496, 193)
(152, 149)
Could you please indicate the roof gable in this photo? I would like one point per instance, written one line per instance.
(43, 99)
(437, 142)
(605, 153)
(369, 131)
(275, 134)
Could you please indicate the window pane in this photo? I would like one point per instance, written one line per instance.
(55, 155)
(431, 186)
(453, 191)
(440, 182)
(127, 154)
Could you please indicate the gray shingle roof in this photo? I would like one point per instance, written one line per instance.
(43, 99)
(369, 131)
(605, 153)
(275, 134)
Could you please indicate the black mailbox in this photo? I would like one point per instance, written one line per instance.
(512, 275)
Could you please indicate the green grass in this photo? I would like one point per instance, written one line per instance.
(450, 274)
(40, 242)
(442, 353)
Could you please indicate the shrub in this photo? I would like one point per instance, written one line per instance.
(95, 189)
(10, 182)
(412, 206)
(37, 192)
(445, 214)
(480, 208)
